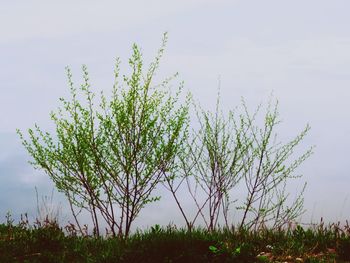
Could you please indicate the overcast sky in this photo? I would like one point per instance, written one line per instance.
(298, 49)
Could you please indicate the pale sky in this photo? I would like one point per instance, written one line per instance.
(299, 50)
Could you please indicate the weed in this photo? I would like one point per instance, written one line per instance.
(33, 242)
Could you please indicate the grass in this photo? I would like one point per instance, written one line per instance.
(47, 242)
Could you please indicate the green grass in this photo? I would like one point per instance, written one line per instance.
(49, 243)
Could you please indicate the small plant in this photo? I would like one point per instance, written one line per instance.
(237, 251)
(263, 258)
(108, 161)
(212, 163)
(47, 211)
(214, 249)
(9, 220)
(226, 152)
(156, 229)
(267, 169)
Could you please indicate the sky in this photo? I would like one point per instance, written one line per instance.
(297, 50)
